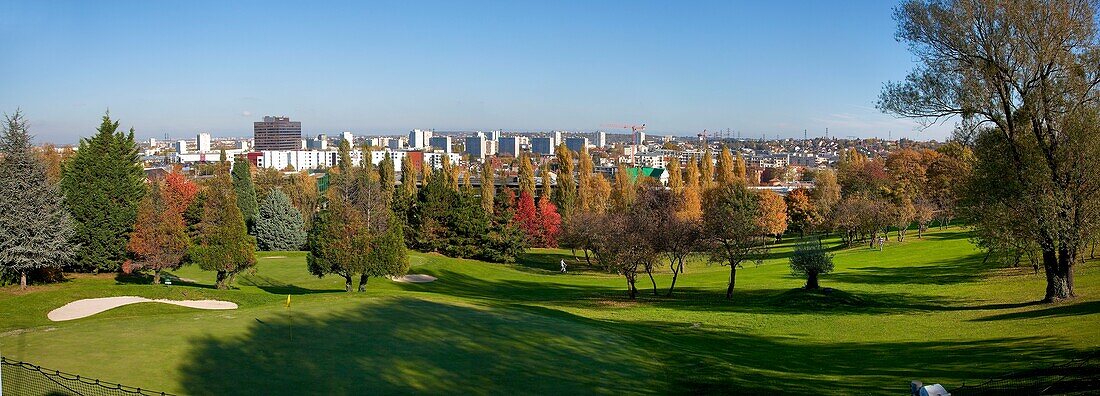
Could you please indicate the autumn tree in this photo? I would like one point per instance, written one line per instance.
(159, 240)
(826, 192)
(526, 175)
(36, 230)
(266, 180)
(179, 191)
(706, 170)
(1024, 79)
(691, 205)
(740, 170)
(675, 176)
(408, 177)
(773, 213)
(724, 172)
(731, 228)
(622, 192)
(301, 188)
(566, 193)
(584, 181)
(599, 193)
(549, 222)
(54, 160)
(802, 216)
(488, 187)
(527, 218)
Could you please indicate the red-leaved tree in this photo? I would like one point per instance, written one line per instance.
(159, 240)
(549, 222)
(527, 218)
(179, 191)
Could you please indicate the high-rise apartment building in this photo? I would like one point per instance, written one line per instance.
(475, 146)
(203, 142)
(542, 145)
(277, 133)
(440, 143)
(418, 139)
(577, 144)
(601, 139)
(509, 145)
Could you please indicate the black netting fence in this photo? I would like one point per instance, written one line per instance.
(1077, 376)
(25, 379)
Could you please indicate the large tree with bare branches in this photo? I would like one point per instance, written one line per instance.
(1023, 80)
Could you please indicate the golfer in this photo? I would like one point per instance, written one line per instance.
(563, 266)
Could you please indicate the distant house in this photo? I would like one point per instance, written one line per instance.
(660, 174)
(155, 173)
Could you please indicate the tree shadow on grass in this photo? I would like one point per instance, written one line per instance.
(406, 345)
(718, 361)
(416, 346)
(275, 286)
(963, 269)
(453, 283)
(1070, 309)
(756, 301)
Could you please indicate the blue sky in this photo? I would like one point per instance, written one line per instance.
(387, 67)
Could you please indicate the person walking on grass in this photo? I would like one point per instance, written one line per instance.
(563, 266)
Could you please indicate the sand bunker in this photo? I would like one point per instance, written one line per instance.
(91, 306)
(413, 278)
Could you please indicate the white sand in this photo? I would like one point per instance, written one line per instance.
(413, 278)
(91, 306)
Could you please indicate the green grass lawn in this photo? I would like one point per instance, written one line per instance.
(923, 309)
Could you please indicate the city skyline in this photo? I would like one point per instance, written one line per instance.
(389, 68)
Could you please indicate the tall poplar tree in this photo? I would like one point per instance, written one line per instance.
(706, 170)
(488, 189)
(35, 228)
(675, 177)
(103, 183)
(408, 178)
(526, 175)
(246, 192)
(566, 193)
(622, 193)
(584, 180)
(724, 171)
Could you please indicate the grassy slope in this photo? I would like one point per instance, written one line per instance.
(924, 309)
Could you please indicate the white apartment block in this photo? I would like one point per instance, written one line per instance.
(203, 142)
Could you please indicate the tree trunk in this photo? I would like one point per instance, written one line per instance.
(733, 279)
(156, 277)
(586, 258)
(675, 274)
(1059, 270)
(811, 281)
(23, 280)
(649, 271)
(220, 283)
(363, 283)
(347, 283)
